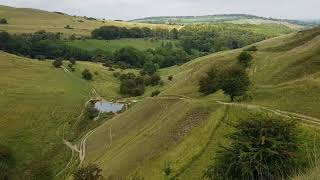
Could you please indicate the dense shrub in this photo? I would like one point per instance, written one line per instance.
(210, 83)
(86, 74)
(262, 147)
(57, 63)
(90, 172)
(130, 56)
(245, 58)
(233, 80)
(132, 85)
(155, 93)
(3, 21)
(150, 68)
(155, 79)
(170, 78)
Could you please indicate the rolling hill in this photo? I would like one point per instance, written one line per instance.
(23, 20)
(223, 18)
(159, 132)
(180, 130)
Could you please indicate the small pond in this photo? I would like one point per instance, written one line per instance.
(104, 106)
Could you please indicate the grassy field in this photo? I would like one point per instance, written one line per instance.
(233, 18)
(36, 101)
(23, 20)
(112, 45)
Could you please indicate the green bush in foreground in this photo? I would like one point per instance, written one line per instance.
(87, 75)
(262, 147)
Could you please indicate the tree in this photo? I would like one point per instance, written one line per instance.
(150, 68)
(211, 82)
(90, 172)
(235, 82)
(130, 55)
(86, 74)
(245, 58)
(57, 63)
(3, 21)
(262, 147)
(155, 79)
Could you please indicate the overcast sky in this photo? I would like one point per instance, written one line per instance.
(131, 9)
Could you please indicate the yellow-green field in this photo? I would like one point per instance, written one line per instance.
(23, 20)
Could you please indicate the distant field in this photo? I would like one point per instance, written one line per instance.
(23, 20)
(112, 45)
(232, 18)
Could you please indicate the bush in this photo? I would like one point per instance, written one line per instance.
(211, 82)
(40, 57)
(245, 58)
(86, 74)
(150, 68)
(3, 21)
(262, 147)
(90, 172)
(132, 85)
(6, 162)
(155, 79)
(155, 93)
(170, 78)
(57, 63)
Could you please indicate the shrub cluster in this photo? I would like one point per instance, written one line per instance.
(234, 81)
(262, 147)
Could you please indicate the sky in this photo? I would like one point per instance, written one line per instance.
(131, 9)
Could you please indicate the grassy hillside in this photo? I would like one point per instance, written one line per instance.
(228, 18)
(182, 129)
(23, 20)
(112, 45)
(36, 101)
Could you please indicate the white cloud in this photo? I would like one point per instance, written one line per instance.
(130, 9)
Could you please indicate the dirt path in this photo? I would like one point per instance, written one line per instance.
(301, 117)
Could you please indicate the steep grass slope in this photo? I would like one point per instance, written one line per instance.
(23, 20)
(36, 101)
(143, 141)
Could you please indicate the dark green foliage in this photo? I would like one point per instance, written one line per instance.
(72, 61)
(170, 78)
(130, 56)
(57, 63)
(217, 37)
(235, 82)
(150, 68)
(41, 43)
(262, 147)
(211, 82)
(68, 27)
(90, 172)
(155, 79)
(155, 93)
(92, 112)
(132, 85)
(245, 58)
(3, 21)
(38, 170)
(86, 74)
(113, 32)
